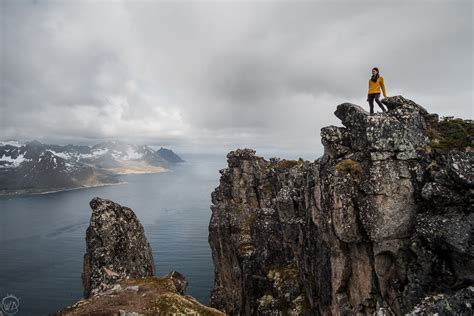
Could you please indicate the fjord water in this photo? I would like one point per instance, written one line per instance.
(42, 237)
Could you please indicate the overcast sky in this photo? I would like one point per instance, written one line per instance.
(215, 76)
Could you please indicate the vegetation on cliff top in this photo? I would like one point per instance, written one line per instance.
(286, 164)
(450, 133)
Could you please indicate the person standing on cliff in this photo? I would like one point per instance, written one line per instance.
(375, 84)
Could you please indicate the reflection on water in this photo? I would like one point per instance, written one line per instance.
(42, 237)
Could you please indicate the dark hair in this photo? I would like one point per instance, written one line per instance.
(375, 77)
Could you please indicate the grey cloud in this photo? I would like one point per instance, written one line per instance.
(217, 74)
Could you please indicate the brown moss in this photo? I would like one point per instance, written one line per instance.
(349, 166)
(287, 164)
(245, 247)
(174, 304)
(288, 272)
(238, 208)
(267, 188)
(155, 296)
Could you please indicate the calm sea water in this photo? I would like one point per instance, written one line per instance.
(42, 237)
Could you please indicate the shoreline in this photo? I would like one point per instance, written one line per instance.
(137, 171)
(20, 193)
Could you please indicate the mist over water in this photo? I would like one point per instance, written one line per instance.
(42, 237)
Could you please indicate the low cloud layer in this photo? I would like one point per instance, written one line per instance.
(214, 76)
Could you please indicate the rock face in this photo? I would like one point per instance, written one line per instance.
(381, 221)
(117, 248)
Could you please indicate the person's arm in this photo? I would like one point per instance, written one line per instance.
(382, 84)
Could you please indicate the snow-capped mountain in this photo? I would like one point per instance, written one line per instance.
(37, 167)
(11, 142)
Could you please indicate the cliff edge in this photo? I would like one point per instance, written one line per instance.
(379, 224)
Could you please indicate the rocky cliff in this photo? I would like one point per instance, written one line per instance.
(381, 222)
(119, 272)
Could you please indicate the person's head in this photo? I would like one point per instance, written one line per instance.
(375, 71)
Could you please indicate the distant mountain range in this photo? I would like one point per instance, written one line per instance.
(34, 167)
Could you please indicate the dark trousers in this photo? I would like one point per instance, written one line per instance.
(370, 98)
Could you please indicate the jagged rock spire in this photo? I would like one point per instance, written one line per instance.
(116, 247)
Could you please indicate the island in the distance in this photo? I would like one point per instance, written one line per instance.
(34, 167)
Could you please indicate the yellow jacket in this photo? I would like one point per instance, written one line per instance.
(374, 87)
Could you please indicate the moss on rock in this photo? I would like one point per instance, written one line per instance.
(349, 166)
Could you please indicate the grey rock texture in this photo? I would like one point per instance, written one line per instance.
(378, 223)
(459, 303)
(116, 248)
(178, 280)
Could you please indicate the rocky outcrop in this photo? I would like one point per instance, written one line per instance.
(118, 276)
(116, 247)
(378, 223)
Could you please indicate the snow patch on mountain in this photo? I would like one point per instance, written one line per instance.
(64, 155)
(95, 153)
(13, 162)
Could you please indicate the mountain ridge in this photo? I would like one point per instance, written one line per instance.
(34, 167)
